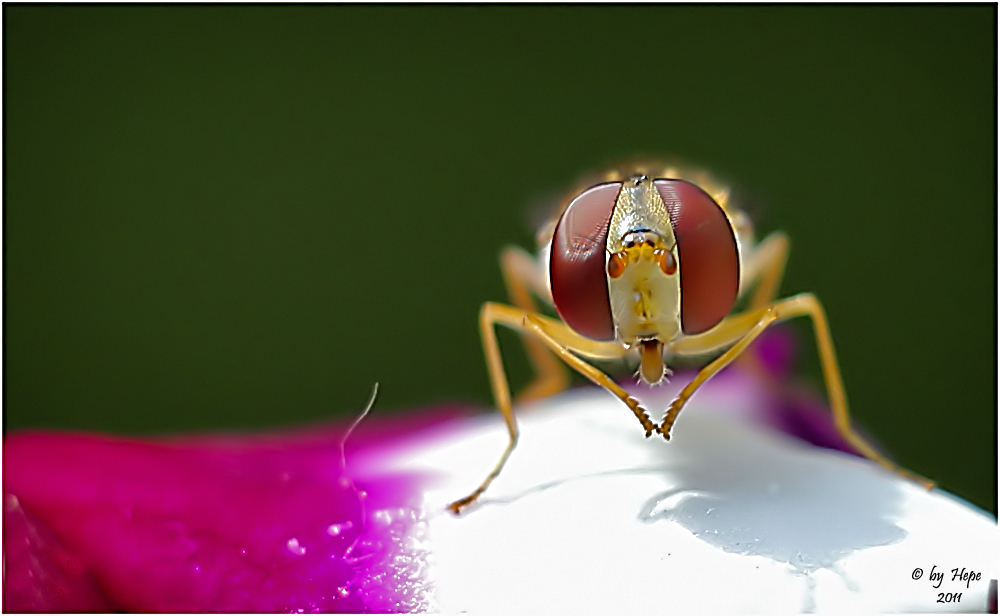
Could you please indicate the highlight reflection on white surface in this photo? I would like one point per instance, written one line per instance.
(591, 517)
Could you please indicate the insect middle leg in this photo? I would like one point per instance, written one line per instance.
(740, 330)
(764, 269)
(561, 340)
(522, 275)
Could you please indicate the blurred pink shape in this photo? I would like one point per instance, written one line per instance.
(211, 523)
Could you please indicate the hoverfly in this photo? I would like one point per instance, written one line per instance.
(648, 260)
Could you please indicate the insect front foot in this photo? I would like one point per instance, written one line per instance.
(456, 507)
(670, 416)
(643, 416)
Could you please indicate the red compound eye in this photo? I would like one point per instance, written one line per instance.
(577, 265)
(706, 249)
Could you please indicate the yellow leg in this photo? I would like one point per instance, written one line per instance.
(522, 276)
(548, 331)
(740, 330)
(764, 269)
(560, 339)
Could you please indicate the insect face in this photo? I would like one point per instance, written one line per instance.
(645, 296)
(643, 262)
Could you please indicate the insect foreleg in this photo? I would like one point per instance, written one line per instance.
(560, 339)
(741, 329)
(549, 331)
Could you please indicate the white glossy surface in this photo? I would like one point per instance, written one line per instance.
(590, 517)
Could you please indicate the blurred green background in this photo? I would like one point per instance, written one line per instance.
(236, 217)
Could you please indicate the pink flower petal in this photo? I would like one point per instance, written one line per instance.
(214, 523)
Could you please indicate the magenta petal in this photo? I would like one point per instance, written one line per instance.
(41, 574)
(776, 349)
(809, 419)
(792, 409)
(247, 524)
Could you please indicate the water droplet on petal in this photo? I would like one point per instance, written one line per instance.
(335, 530)
(295, 548)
